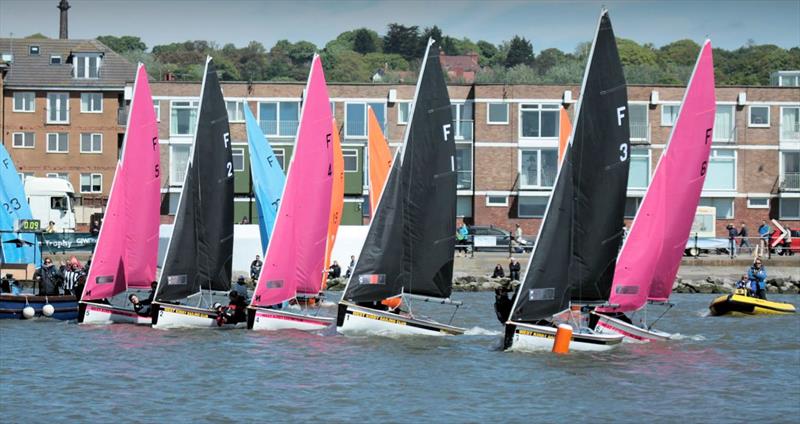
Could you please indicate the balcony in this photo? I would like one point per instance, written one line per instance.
(640, 132)
(122, 116)
(463, 130)
(790, 181)
(273, 128)
(790, 132)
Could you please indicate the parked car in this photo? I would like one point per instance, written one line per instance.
(493, 238)
(785, 247)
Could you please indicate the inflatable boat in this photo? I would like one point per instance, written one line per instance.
(740, 303)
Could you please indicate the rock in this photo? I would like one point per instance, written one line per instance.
(773, 289)
(481, 279)
(791, 289)
(490, 285)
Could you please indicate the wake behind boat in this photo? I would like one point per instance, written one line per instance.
(410, 244)
(197, 265)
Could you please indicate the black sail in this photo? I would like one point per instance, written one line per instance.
(201, 247)
(576, 250)
(410, 244)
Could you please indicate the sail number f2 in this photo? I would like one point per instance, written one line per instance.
(226, 138)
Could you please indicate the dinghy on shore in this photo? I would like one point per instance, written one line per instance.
(739, 303)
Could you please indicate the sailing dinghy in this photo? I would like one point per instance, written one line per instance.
(337, 201)
(410, 244)
(197, 264)
(573, 258)
(127, 247)
(652, 252)
(295, 258)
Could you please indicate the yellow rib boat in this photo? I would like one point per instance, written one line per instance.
(740, 303)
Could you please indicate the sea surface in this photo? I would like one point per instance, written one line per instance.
(718, 369)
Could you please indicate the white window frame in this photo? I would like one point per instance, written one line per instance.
(238, 151)
(238, 113)
(157, 109)
(92, 138)
(57, 134)
(347, 152)
(780, 129)
(733, 205)
(23, 134)
(646, 105)
(664, 123)
(56, 56)
(55, 97)
(732, 139)
(91, 176)
(538, 151)
(750, 123)
(192, 104)
(488, 114)
(280, 151)
(367, 104)
(649, 165)
(83, 61)
(751, 205)
(32, 102)
(539, 107)
(278, 120)
(90, 96)
(781, 215)
(713, 155)
(407, 105)
(491, 204)
(173, 180)
(61, 175)
(459, 120)
(544, 195)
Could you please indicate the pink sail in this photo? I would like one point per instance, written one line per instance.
(651, 254)
(295, 256)
(127, 247)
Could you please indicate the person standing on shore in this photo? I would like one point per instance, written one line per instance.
(255, 268)
(743, 238)
(350, 267)
(732, 233)
(764, 232)
(513, 269)
(757, 275)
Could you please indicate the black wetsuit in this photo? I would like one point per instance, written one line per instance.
(502, 305)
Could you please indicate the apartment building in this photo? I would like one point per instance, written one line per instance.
(63, 112)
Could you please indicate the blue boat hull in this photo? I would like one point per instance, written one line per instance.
(66, 307)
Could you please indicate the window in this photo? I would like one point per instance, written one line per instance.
(91, 183)
(758, 202)
(669, 113)
(403, 110)
(531, 206)
(637, 119)
(539, 121)
(723, 205)
(355, 116)
(178, 161)
(758, 117)
(721, 173)
(24, 101)
(724, 124)
(280, 156)
(57, 143)
(497, 113)
(279, 119)
(464, 166)
(350, 160)
(235, 110)
(91, 143)
(238, 159)
(91, 102)
(174, 200)
(33, 50)
(55, 60)
(632, 206)
(23, 140)
(789, 208)
(639, 174)
(87, 66)
(183, 117)
(538, 167)
(462, 120)
(23, 175)
(57, 108)
(790, 171)
(790, 123)
(61, 175)
(496, 200)
(157, 110)
(463, 206)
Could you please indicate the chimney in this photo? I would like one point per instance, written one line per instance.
(63, 5)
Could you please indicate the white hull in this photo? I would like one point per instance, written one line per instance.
(632, 333)
(356, 320)
(179, 316)
(274, 320)
(98, 313)
(537, 338)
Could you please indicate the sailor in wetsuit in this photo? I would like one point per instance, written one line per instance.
(141, 307)
(235, 312)
(502, 303)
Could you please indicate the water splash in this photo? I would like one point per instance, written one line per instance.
(480, 331)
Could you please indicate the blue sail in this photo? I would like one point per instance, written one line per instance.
(14, 206)
(268, 178)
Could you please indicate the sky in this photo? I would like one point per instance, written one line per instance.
(561, 24)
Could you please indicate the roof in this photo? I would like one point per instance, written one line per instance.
(463, 62)
(35, 71)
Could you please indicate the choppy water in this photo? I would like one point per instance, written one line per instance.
(719, 370)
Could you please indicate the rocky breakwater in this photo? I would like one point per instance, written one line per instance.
(779, 285)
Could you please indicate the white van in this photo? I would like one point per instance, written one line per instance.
(52, 199)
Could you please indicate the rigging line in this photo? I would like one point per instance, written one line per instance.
(660, 316)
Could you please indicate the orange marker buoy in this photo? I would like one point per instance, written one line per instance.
(563, 337)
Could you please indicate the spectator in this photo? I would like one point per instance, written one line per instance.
(743, 238)
(255, 268)
(48, 277)
(764, 232)
(350, 267)
(51, 228)
(732, 233)
(518, 235)
(461, 238)
(513, 269)
(498, 272)
(244, 221)
(335, 271)
(95, 228)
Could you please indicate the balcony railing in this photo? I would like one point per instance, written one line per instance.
(640, 131)
(122, 116)
(790, 132)
(279, 128)
(724, 134)
(790, 181)
(463, 130)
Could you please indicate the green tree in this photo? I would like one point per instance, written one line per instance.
(681, 52)
(631, 53)
(366, 41)
(345, 66)
(122, 44)
(402, 40)
(37, 36)
(520, 52)
(548, 58)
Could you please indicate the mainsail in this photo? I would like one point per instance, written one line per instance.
(127, 246)
(337, 199)
(651, 255)
(380, 160)
(573, 258)
(13, 207)
(200, 250)
(295, 256)
(564, 131)
(410, 243)
(268, 178)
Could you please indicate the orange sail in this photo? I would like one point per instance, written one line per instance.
(380, 161)
(564, 131)
(337, 199)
